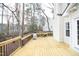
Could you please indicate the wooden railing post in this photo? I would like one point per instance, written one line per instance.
(5, 50)
(0, 50)
(6, 45)
(20, 42)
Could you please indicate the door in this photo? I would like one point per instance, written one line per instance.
(75, 32)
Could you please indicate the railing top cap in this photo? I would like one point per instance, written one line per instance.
(9, 41)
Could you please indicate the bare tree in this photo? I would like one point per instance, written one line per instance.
(2, 17)
(44, 14)
(23, 20)
(18, 16)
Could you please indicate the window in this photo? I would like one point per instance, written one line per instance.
(67, 29)
(78, 30)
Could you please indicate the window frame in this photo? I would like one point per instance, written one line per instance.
(67, 29)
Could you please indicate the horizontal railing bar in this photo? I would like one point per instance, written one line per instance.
(10, 40)
(26, 36)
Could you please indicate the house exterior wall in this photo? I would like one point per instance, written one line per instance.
(72, 40)
(59, 26)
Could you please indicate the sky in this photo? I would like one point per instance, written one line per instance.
(47, 10)
(44, 6)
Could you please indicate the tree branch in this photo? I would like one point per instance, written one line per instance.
(11, 11)
(46, 18)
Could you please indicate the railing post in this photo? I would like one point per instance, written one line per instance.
(5, 50)
(20, 43)
(0, 50)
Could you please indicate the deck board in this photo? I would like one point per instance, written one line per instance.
(45, 46)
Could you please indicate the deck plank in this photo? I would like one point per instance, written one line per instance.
(45, 46)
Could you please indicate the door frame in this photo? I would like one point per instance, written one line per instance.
(74, 33)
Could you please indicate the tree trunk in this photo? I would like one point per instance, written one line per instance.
(2, 17)
(23, 20)
(47, 19)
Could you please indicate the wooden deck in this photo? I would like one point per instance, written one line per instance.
(44, 46)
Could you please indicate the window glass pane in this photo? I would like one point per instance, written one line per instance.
(78, 30)
(67, 29)
(68, 25)
(67, 32)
